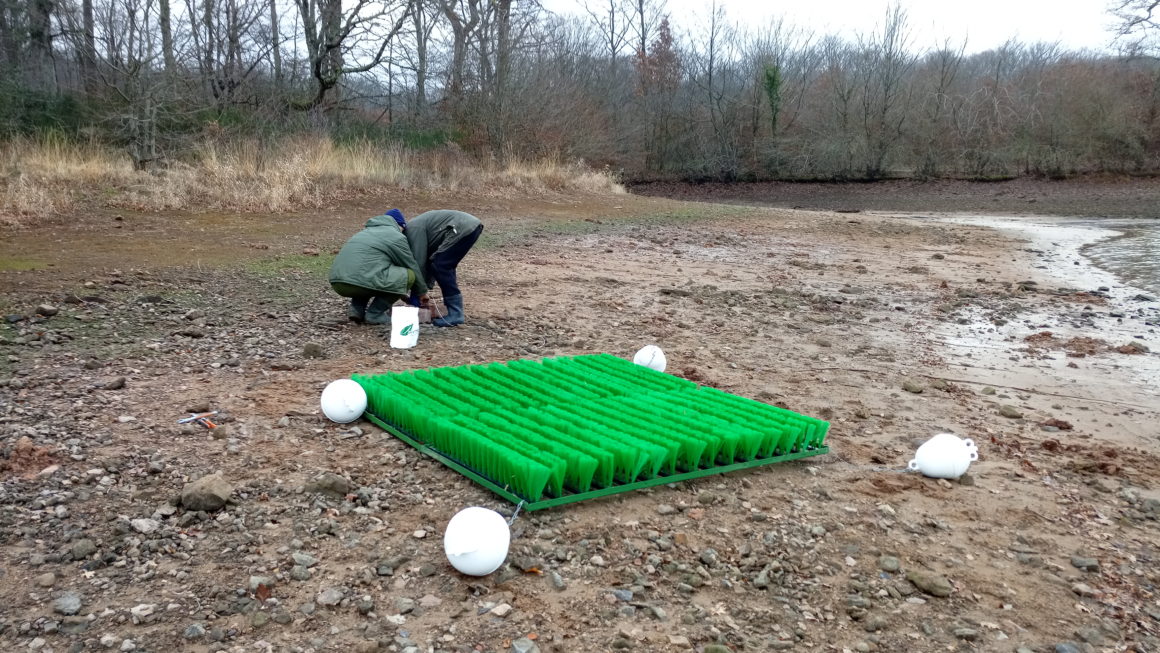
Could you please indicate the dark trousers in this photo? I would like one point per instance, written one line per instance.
(442, 264)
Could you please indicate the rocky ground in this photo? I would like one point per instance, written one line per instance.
(122, 530)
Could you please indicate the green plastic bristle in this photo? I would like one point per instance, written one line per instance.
(563, 429)
(635, 455)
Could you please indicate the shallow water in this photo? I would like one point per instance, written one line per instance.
(1133, 254)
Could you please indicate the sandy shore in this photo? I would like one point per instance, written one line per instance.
(893, 329)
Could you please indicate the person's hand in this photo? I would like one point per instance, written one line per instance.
(424, 301)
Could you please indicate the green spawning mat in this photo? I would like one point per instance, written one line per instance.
(550, 432)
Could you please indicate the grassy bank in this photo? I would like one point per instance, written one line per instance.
(51, 176)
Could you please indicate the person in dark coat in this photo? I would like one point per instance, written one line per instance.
(439, 240)
(375, 268)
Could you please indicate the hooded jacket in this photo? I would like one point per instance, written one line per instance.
(435, 231)
(378, 258)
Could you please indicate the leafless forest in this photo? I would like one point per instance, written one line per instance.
(618, 86)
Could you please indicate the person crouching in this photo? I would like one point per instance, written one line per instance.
(376, 268)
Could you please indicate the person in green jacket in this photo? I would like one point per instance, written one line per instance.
(439, 240)
(375, 268)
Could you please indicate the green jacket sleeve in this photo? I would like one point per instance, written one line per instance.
(402, 253)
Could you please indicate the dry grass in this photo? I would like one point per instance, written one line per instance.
(42, 178)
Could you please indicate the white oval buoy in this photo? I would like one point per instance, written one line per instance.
(476, 541)
(652, 357)
(944, 456)
(343, 401)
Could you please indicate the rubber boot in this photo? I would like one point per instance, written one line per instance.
(358, 309)
(379, 311)
(454, 316)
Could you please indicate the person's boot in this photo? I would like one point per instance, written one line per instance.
(358, 309)
(454, 316)
(379, 311)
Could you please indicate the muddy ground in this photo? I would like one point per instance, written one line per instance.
(1088, 197)
(891, 329)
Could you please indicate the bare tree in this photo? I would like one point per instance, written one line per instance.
(1139, 26)
(886, 62)
(335, 35)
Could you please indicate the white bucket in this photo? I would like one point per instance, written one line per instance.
(404, 327)
(944, 456)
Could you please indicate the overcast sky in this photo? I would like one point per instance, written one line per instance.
(984, 23)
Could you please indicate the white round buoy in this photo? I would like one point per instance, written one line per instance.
(944, 456)
(343, 401)
(476, 541)
(651, 357)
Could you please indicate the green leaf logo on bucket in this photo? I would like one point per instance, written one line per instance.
(406, 331)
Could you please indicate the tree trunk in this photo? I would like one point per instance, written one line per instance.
(89, 44)
(503, 56)
(40, 68)
(8, 46)
(166, 34)
(275, 45)
(332, 44)
(422, 32)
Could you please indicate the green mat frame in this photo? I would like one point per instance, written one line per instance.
(581, 496)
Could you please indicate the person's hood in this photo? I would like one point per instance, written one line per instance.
(383, 221)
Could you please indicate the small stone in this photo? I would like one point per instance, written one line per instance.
(659, 613)
(303, 559)
(1086, 564)
(598, 561)
(46, 580)
(330, 596)
(622, 595)
(207, 493)
(142, 611)
(404, 605)
(68, 604)
(47, 310)
(666, 509)
(115, 384)
(502, 610)
(366, 604)
(679, 641)
(931, 583)
(258, 581)
(300, 573)
(128, 645)
(419, 534)
(716, 648)
(329, 483)
(1092, 636)
(259, 619)
(1083, 589)
(429, 601)
(108, 641)
(1010, 412)
(82, 549)
(912, 386)
(1068, 647)
(709, 557)
(988, 390)
(874, 623)
(968, 634)
(889, 564)
(145, 526)
(557, 581)
(193, 631)
(312, 350)
(524, 645)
